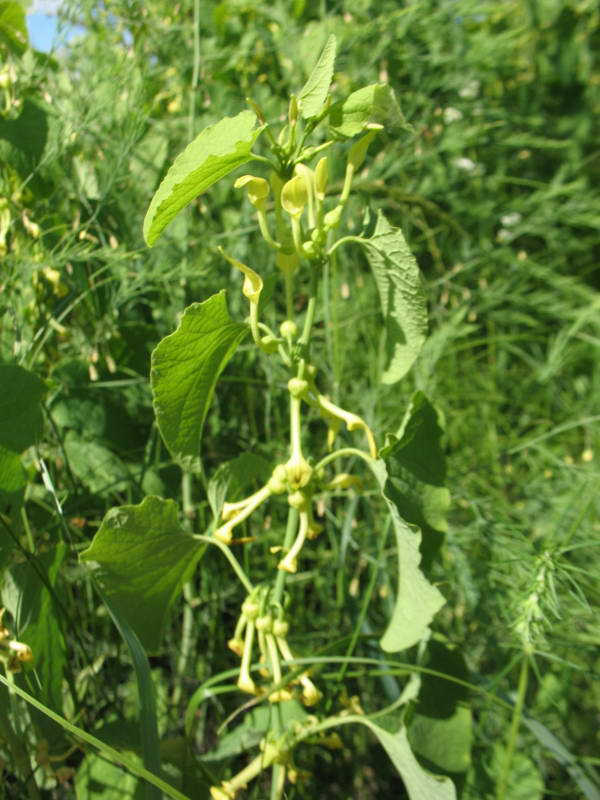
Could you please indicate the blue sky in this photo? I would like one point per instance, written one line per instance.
(42, 23)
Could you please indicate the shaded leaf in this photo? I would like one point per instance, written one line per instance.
(417, 600)
(401, 295)
(371, 104)
(23, 140)
(185, 368)
(214, 153)
(20, 413)
(416, 467)
(141, 557)
(98, 468)
(445, 743)
(314, 92)
(233, 478)
(419, 784)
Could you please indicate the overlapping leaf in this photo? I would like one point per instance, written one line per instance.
(20, 421)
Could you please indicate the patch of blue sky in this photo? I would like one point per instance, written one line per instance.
(42, 24)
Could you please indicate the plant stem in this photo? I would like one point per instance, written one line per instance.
(235, 564)
(341, 453)
(290, 535)
(514, 729)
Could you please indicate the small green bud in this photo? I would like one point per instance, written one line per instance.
(321, 177)
(333, 218)
(309, 249)
(280, 628)
(297, 387)
(277, 483)
(269, 343)
(288, 329)
(358, 151)
(294, 196)
(264, 624)
(298, 500)
(250, 608)
(298, 472)
(293, 110)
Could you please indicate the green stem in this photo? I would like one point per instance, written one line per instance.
(290, 535)
(343, 452)
(514, 729)
(235, 564)
(346, 240)
(288, 277)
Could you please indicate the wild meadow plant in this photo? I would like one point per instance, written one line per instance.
(142, 555)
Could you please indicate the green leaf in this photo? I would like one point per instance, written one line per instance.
(12, 475)
(371, 104)
(232, 479)
(416, 467)
(314, 92)
(402, 298)
(419, 784)
(444, 743)
(141, 557)
(148, 722)
(20, 414)
(214, 153)
(99, 779)
(417, 601)
(98, 468)
(23, 140)
(13, 28)
(524, 780)
(21, 422)
(185, 368)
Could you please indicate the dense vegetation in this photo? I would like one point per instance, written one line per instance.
(494, 183)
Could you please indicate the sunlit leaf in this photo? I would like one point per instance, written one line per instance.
(214, 153)
(371, 104)
(141, 557)
(314, 92)
(185, 369)
(402, 298)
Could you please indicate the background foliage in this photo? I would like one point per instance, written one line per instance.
(495, 187)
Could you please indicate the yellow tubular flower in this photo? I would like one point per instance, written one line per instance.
(245, 682)
(224, 532)
(353, 421)
(290, 562)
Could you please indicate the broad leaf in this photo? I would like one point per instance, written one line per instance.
(13, 27)
(314, 92)
(416, 467)
(185, 369)
(419, 784)
(98, 468)
(141, 557)
(214, 153)
(417, 601)
(372, 104)
(20, 414)
(23, 139)
(402, 298)
(444, 743)
(20, 422)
